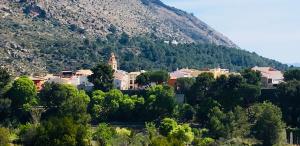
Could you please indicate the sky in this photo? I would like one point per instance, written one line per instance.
(270, 28)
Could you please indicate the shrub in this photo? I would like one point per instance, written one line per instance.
(4, 136)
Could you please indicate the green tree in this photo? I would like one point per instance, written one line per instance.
(159, 77)
(216, 125)
(293, 74)
(113, 105)
(251, 76)
(182, 133)
(177, 134)
(288, 99)
(4, 78)
(167, 125)
(229, 125)
(65, 100)
(228, 91)
(268, 124)
(200, 90)
(200, 139)
(203, 109)
(249, 93)
(124, 39)
(183, 85)
(102, 77)
(239, 125)
(104, 134)
(62, 132)
(27, 133)
(160, 141)
(5, 102)
(143, 79)
(160, 101)
(4, 137)
(96, 107)
(23, 93)
(186, 112)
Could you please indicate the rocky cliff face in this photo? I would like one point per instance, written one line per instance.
(135, 17)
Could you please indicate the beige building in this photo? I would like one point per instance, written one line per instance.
(185, 72)
(270, 76)
(193, 73)
(122, 79)
(132, 80)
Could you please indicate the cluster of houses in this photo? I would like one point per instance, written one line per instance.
(127, 80)
(78, 79)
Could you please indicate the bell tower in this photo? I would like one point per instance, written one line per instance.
(113, 62)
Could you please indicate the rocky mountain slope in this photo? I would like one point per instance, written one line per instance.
(50, 35)
(134, 17)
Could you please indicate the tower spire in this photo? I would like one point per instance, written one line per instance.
(113, 62)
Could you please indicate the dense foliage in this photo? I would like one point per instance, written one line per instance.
(4, 136)
(218, 111)
(157, 77)
(102, 77)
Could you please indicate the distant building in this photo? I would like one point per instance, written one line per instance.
(174, 42)
(167, 42)
(84, 83)
(66, 74)
(122, 79)
(270, 76)
(132, 80)
(217, 72)
(193, 73)
(78, 79)
(38, 82)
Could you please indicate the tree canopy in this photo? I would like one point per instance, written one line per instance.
(293, 74)
(65, 100)
(23, 92)
(102, 77)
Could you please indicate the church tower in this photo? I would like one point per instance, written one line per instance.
(113, 62)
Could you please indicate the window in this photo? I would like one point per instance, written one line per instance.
(270, 81)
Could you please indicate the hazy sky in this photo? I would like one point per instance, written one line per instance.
(270, 28)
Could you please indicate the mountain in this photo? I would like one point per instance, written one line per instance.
(135, 17)
(295, 64)
(51, 35)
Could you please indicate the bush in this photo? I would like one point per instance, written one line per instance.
(166, 126)
(27, 134)
(4, 136)
(62, 132)
(104, 134)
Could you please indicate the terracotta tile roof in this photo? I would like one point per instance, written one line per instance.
(269, 72)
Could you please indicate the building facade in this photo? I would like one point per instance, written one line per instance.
(122, 79)
(270, 77)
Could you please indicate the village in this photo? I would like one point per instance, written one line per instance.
(124, 80)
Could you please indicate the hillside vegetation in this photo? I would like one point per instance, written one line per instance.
(37, 44)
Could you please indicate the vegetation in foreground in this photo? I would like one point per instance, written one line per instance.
(223, 111)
